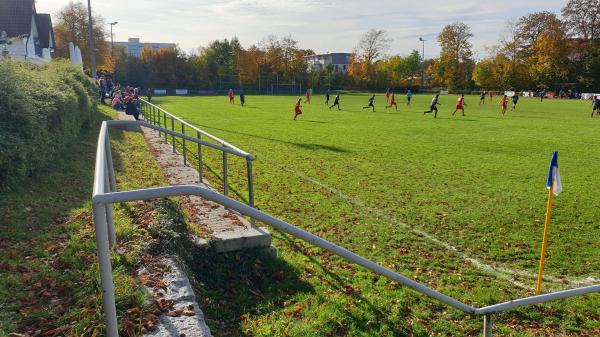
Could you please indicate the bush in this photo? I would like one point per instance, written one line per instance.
(42, 109)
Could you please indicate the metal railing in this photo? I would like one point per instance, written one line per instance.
(105, 194)
(158, 116)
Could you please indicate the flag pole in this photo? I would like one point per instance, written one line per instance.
(538, 288)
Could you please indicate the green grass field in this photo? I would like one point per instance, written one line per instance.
(436, 199)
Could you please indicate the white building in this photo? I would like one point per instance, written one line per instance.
(25, 34)
(134, 47)
(320, 62)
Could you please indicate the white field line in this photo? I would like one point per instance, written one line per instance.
(500, 272)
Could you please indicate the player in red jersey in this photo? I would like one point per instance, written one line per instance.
(307, 100)
(491, 93)
(460, 103)
(392, 102)
(231, 97)
(504, 104)
(297, 110)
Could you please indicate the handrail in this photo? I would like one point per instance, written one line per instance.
(180, 135)
(215, 138)
(162, 192)
(100, 160)
(537, 299)
(104, 196)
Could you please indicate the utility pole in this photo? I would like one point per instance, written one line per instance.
(423, 64)
(91, 43)
(112, 46)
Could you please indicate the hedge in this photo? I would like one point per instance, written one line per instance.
(42, 109)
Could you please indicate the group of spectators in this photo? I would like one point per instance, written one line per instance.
(126, 99)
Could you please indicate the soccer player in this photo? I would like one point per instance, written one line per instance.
(307, 100)
(336, 101)
(482, 98)
(595, 105)
(392, 102)
(408, 97)
(387, 96)
(433, 107)
(231, 97)
(515, 100)
(242, 98)
(460, 103)
(371, 105)
(297, 110)
(542, 95)
(504, 104)
(327, 93)
(491, 93)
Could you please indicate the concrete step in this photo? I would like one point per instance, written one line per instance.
(229, 230)
(241, 239)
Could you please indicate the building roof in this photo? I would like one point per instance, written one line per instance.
(15, 16)
(45, 31)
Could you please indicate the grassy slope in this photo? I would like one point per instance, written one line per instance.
(49, 275)
(475, 182)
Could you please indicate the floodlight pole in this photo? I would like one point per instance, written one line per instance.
(112, 46)
(91, 42)
(423, 64)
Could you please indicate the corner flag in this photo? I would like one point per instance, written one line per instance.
(553, 181)
(554, 185)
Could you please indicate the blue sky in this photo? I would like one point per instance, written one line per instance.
(324, 26)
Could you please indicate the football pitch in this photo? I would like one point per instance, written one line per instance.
(456, 203)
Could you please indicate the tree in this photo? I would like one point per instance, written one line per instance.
(590, 75)
(454, 41)
(484, 75)
(542, 41)
(529, 28)
(511, 64)
(456, 57)
(371, 47)
(582, 18)
(72, 26)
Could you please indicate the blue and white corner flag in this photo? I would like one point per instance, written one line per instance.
(554, 176)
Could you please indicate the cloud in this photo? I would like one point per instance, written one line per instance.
(321, 25)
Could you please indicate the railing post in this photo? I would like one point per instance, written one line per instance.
(199, 158)
(183, 144)
(106, 281)
(152, 115)
(488, 324)
(165, 126)
(225, 187)
(250, 185)
(158, 119)
(173, 135)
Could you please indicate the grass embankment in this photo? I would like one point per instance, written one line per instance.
(356, 176)
(49, 279)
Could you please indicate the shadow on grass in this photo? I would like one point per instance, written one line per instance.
(229, 286)
(236, 284)
(307, 146)
(311, 121)
(341, 285)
